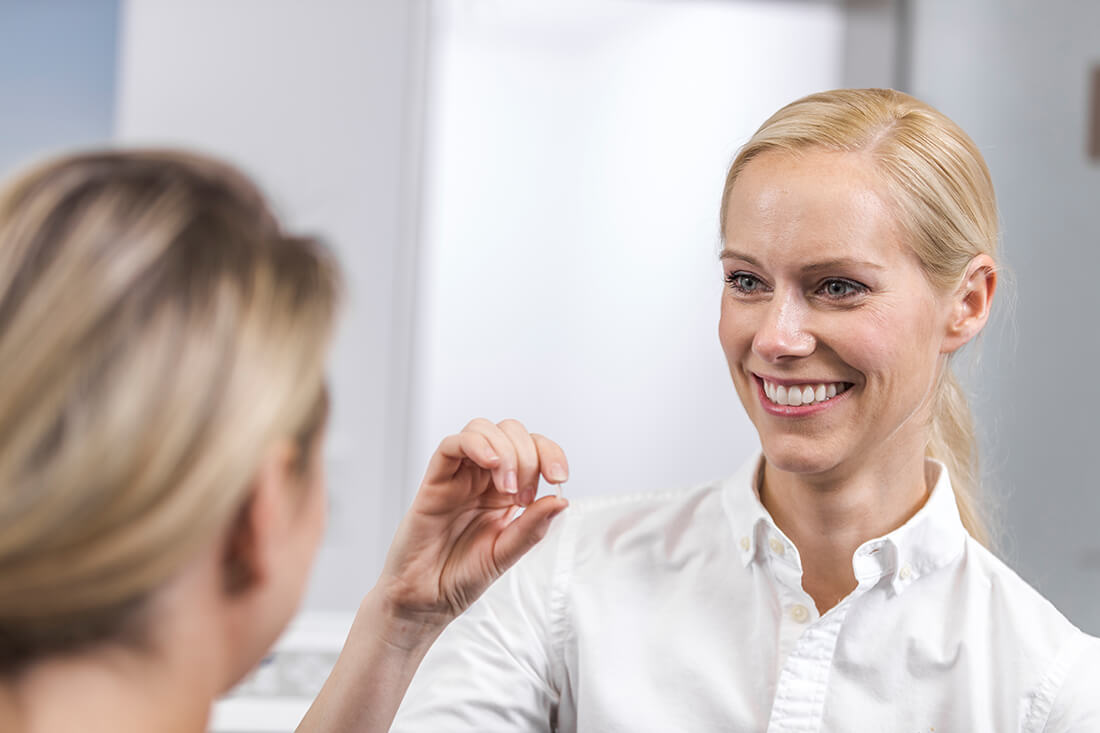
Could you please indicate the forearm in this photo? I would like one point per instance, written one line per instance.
(372, 673)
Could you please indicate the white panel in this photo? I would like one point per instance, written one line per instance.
(576, 155)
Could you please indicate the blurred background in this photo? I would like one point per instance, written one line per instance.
(524, 194)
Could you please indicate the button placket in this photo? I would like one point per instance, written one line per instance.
(804, 673)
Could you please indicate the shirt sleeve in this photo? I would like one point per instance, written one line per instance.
(1076, 708)
(492, 668)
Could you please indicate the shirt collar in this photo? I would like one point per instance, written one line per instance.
(752, 525)
(932, 538)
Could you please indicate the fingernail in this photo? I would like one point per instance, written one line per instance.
(558, 474)
(511, 486)
(527, 497)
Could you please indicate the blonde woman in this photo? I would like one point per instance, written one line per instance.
(840, 580)
(162, 410)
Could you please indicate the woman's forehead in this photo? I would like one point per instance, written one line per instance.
(822, 205)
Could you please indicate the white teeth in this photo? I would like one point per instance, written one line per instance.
(806, 394)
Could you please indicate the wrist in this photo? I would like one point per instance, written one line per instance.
(396, 626)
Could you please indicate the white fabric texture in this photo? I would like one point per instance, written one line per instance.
(684, 611)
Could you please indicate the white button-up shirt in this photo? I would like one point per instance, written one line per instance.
(684, 611)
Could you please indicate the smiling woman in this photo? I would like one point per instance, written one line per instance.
(921, 181)
(838, 581)
(838, 301)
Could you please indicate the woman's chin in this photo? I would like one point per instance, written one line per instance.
(800, 460)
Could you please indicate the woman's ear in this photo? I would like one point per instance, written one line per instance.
(254, 538)
(970, 303)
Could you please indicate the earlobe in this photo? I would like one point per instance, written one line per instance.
(971, 303)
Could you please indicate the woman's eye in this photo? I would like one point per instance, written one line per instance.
(840, 289)
(743, 282)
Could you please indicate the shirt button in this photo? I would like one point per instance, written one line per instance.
(776, 545)
(800, 613)
(745, 543)
(905, 573)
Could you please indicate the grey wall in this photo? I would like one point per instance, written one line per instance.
(874, 53)
(57, 76)
(1013, 73)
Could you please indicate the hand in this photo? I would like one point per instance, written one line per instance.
(459, 535)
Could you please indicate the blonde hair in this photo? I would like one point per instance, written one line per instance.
(158, 331)
(944, 195)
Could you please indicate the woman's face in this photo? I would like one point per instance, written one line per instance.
(832, 333)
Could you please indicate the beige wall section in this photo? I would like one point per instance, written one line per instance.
(1015, 75)
(318, 101)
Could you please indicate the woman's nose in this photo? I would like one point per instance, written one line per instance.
(782, 333)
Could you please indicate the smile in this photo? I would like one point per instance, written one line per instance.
(795, 395)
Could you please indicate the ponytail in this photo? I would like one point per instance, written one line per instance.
(952, 443)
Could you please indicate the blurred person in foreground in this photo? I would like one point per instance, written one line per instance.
(162, 412)
(840, 581)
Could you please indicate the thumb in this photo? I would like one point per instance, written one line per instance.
(526, 531)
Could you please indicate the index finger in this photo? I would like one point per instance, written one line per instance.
(448, 457)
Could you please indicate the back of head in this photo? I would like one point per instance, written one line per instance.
(940, 187)
(158, 330)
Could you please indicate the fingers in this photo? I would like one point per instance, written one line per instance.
(527, 459)
(454, 448)
(526, 531)
(514, 457)
(506, 472)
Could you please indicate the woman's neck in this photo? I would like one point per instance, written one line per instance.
(116, 690)
(829, 517)
(167, 685)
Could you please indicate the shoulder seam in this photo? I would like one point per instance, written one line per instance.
(1042, 700)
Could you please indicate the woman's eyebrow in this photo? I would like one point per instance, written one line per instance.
(830, 264)
(840, 262)
(729, 254)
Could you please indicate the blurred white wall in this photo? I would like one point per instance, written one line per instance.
(575, 158)
(317, 101)
(1014, 74)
